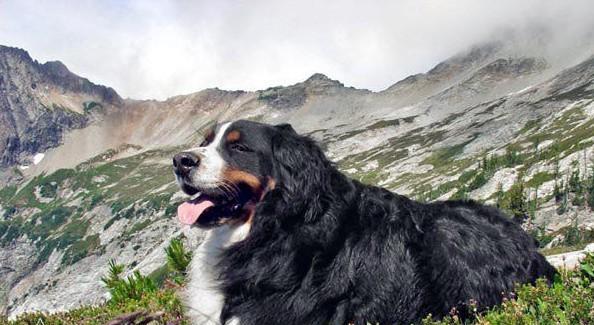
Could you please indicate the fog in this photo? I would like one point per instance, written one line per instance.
(157, 49)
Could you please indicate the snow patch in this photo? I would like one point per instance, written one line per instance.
(38, 158)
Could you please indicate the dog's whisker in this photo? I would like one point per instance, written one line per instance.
(226, 189)
(230, 189)
(233, 186)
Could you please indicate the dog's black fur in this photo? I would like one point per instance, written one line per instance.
(325, 249)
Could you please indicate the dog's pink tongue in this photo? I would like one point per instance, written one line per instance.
(189, 212)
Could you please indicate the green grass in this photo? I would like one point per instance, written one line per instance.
(80, 249)
(46, 222)
(136, 228)
(7, 192)
(562, 249)
(539, 179)
(444, 155)
(530, 125)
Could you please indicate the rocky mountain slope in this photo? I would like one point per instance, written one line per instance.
(486, 124)
(41, 102)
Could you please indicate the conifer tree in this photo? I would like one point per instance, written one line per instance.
(590, 188)
(499, 195)
(517, 203)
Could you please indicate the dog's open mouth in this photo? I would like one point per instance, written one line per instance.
(208, 210)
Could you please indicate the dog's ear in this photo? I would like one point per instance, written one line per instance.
(301, 169)
(291, 156)
(286, 127)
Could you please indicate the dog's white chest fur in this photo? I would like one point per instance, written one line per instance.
(204, 300)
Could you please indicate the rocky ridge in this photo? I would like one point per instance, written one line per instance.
(41, 102)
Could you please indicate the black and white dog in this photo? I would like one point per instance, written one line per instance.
(291, 240)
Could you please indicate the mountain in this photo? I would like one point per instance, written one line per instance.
(87, 178)
(39, 103)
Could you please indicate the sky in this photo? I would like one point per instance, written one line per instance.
(157, 49)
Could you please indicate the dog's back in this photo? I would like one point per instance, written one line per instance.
(434, 257)
(471, 252)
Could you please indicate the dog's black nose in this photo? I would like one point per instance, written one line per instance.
(183, 162)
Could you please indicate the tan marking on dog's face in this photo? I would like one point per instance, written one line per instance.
(233, 136)
(238, 176)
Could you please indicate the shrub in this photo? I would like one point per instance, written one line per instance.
(178, 260)
(590, 188)
(134, 287)
(515, 202)
(159, 308)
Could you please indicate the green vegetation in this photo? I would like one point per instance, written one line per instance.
(539, 179)
(136, 297)
(470, 179)
(49, 208)
(162, 306)
(90, 105)
(80, 249)
(137, 228)
(576, 189)
(131, 288)
(514, 201)
(530, 126)
(384, 124)
(570, 300)
(376, 126)
(443, 156)
(178, 260)
(7, 192)
(590, 188)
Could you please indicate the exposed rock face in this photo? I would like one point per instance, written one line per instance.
(570, 260)
(293, 97)
(104, 188)
(39, 102)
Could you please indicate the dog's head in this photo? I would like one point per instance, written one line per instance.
(238, 163)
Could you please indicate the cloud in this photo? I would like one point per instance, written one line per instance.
(157, 49)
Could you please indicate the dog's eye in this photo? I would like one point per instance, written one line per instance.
(239, 147)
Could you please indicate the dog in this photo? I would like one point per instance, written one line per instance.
(292, 240)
